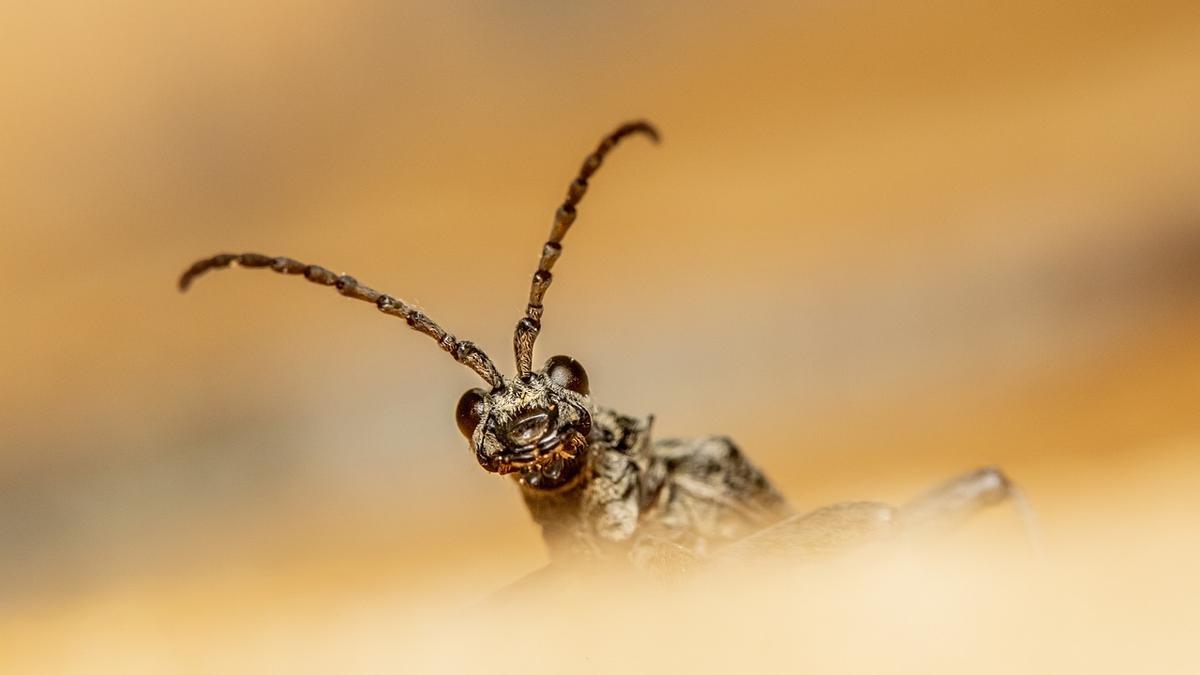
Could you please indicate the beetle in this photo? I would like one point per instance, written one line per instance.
(595, 481)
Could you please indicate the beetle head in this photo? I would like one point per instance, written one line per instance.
(537, 425)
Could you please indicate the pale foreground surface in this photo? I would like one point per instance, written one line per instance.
(1114, 594)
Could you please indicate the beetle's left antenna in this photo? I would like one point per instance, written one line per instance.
(463, 351)
(531, 324)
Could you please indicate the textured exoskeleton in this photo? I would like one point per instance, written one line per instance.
(595, 481)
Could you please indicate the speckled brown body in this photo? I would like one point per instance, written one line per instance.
(636, 497)
(595, 481)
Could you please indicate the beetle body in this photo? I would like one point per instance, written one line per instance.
(595, 481)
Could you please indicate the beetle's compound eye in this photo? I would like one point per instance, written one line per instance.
(568, 374)
(470, 408)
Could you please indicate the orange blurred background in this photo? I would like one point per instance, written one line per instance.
(881, 243)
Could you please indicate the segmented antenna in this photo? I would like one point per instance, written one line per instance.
(529, 325)
(463, 351)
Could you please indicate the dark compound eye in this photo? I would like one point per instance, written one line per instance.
(568, 374)
(470, 408)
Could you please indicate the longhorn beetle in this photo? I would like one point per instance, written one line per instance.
(594, 480)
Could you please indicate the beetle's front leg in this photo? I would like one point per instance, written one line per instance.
(960, 497)
(841, 527)
(829, 530)
(957, 499)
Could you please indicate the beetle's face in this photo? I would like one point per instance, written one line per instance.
(538, 426)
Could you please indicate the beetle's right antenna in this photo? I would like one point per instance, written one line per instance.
(531, 324)
(463, 351)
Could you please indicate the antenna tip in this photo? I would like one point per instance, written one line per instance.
(647, 128)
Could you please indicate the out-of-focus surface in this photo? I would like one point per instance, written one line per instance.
(880, 244)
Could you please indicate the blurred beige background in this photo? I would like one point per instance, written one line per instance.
(880, 243)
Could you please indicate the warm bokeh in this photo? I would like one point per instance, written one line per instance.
(881, 243)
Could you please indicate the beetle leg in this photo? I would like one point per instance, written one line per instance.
(816, 534)
(957, 499)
